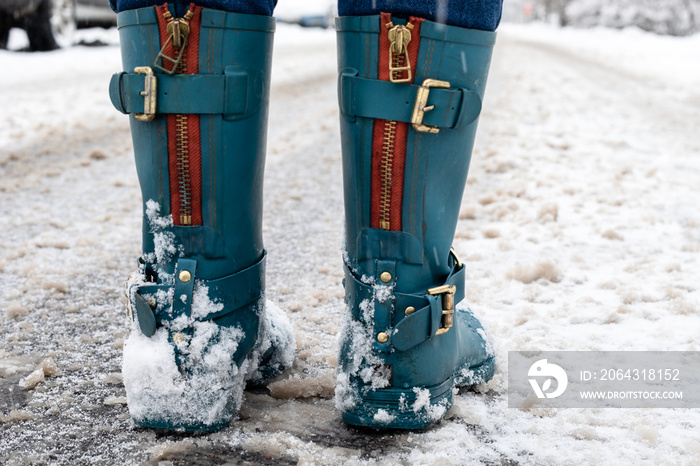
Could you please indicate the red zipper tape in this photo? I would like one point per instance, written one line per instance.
(192, 142)
(398, 163)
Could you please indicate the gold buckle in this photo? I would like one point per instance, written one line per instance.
(456, 258)
(448, 305)
(421, 106)
(149, 94)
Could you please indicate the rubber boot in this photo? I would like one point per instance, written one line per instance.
(410, 95)
(196, 89)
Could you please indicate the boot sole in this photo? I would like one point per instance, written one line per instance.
(169, 426)
(396, 408)
(191, 412)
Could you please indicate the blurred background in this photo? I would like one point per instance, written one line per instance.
(667, 17)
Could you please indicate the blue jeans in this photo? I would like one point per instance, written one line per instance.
(474, 14)
(253, 7)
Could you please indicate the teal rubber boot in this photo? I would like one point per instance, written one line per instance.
(410, 95)
(196, 89)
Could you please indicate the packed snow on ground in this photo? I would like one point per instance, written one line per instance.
(579, 229)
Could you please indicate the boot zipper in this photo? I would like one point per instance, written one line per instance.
(390, 136)
(182, 134)
(399, 72)
(179, 30)
(179, 126)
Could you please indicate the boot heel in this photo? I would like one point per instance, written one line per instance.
(396, 408)
(468, 376)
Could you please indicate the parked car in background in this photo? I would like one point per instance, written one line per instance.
(50, 23)
(89, 13)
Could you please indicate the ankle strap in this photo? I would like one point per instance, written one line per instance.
(232, 292)
(424, 322)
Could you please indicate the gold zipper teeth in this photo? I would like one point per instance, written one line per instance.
(183, 169)
(183, 156)
(386, 167)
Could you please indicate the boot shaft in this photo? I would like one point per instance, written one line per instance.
(429, 170)
(214, 109)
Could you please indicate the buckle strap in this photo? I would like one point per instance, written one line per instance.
(434, 311)
(233, 291)
(383, 305)
(185, 271)
(236, 93)
(143, 313)
(437, 107)
(430, 316)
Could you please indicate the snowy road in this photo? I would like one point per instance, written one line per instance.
(579, 227)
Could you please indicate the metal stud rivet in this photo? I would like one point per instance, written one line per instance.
(410, 310)
(382, 337)
(385, 277)
(185, 276)
(178, 337)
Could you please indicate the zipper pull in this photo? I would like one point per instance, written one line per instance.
(178, 30)
(399, 63)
